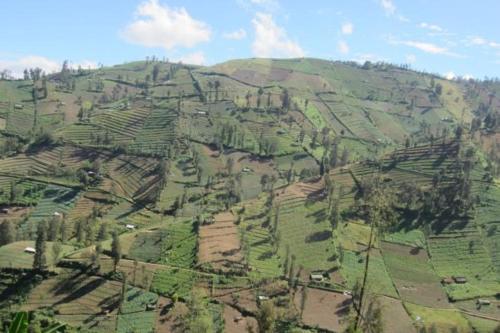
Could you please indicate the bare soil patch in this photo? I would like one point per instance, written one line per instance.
(235, 322)
(219, 242)
(326, 309)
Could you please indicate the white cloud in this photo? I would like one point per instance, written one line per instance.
(253, 5)
(433, 27)
(158, 25)
(411, 58)
(342, 47)
(347, 28)
(17, 66)
(450, 76)
(481, 41)
(427, 47)
(272, 40)
(195, 58)
(235, 35)
(388, 6)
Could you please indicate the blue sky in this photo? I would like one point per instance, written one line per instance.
(446, 37)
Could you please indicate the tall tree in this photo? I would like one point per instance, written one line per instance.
(116, 250)
(7, 232)
(40, 259)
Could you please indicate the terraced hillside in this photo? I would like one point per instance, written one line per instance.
(144, 196)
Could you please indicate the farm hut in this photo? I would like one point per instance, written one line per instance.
(91, 173)
(483, 302)
(18, 106)
(201, 113)
(150, 307)
(316, 277)
(261, 298)
(57, 214)
(246, 169)
(30, 250)
(460, 279)
(5, 211)
(130, 227)
(447, 280)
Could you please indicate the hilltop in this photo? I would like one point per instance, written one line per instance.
(304, 193)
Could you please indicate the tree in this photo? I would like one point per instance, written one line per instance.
(54, 226)
(266, 317)
(56, 251)
(40, 259)
(156, 71)
(259, 96)
(372, 319)
(439, 89)
(123, 292)
(303, 300)
(116, 250)
(217, 86)
(345, 157)
(7, 232)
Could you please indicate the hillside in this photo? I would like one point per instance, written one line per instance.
(324, 192)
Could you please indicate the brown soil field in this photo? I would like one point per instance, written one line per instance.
(424, 290)
(169, 316)
(235, 323)
(395, 319)
(326, 309)
(15, 213)
(219, 242)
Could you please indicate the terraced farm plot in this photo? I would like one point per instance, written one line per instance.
(179, 247)
(378, 282)
(255, 238)
(442, 319)
(13, 255)
(135, 315)
(158, 132)
(464, 256)
(122, 125)
(78, 300)
(147, 246)
(55, 200)
(219, 242)
(395, 319)
(174, 282)
(413, 276)
(327, 310)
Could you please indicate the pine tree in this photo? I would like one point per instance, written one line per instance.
(40, 260)
(7, 233)
(116, 250)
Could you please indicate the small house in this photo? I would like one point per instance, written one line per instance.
(30, 250)
(246, 169)
(5, 211)
(316, 277)
(447, 280)
(483, 302)
(460, 279)
(91, 173)
(347, 293)
(150, 307)
(57, 214)
(261, 298)
(18, 106)
(130, 227)
(201, 113)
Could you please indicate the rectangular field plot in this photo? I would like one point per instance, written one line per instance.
(444, 320)
(413, 275)
(13, 256)
(378, 282)
(467, 257)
